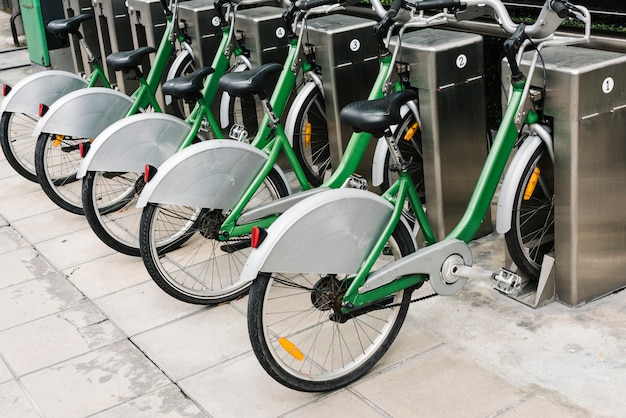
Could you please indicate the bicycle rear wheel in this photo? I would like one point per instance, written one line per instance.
(18, 143)
(531, 235)
(299, 336)
(109, 203)
(204, 270)
(57, 158)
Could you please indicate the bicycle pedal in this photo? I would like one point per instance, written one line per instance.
(356, 182)
(238, 133)
(507, 282)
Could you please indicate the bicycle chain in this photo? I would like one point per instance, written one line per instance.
(411, 301)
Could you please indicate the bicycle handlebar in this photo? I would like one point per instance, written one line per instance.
(311, 4)
(166, 7)
(560, 8)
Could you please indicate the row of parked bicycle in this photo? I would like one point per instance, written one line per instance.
(330, 269)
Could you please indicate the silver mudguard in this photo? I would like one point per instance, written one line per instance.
(84, 113)
(131, 143)
(225, 99)
(378, 162)
(43, 87)
(380, 154)
(211, 174)
(511, 181)
(290, 122)
(329, 232)
(180, 58)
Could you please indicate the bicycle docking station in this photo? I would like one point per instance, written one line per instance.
(199, 18)
(447, 68)
(113, 23)
(347, 52)
(90, 34)
(587, 102)
(515, 285)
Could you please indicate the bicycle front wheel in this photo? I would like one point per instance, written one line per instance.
(310, 137)
(18, 143)
(57, 158)
(409, 139)
(531, 235)
(300, 337)
(204, 270)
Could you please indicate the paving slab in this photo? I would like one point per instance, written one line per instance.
(56, 338)
(73, 249)
(21, 265)
(341, 403)
(50, 224)
(95, 381)
(36, 299)
(219, 334)
(142, 307)
(168, 402)
(14, 403)
(5, 373)
(241, 388)
(107, 275)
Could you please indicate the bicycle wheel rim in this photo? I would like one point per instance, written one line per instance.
(532, 233)
(57, 166)
(201, 269)
(296, 341)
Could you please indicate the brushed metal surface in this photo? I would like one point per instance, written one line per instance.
(586, 96)
(447, 67)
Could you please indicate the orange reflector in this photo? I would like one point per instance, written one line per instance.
(291, 348)
(411, 131)
(307, 135)
(532, 183)
(57, 140)
(258, 236)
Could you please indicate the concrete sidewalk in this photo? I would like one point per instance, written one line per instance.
(84, 332)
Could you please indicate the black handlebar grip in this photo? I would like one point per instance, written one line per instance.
(310, 4)
(560, 8)
(166, 7)
(435, 4)
(219, 12)
(394, 8)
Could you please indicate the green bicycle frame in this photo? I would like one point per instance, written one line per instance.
(465, 230)
(202, 108)
(97, 75)
(273, 144)
(144, 96)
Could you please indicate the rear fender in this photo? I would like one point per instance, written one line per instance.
(84, 113)
(329, 232)
(43, 87)
(131, 143)
(382, 149)
(211, 174)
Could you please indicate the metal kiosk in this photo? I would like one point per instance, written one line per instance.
(205, 32)
(90, 34)
(447, 69)
(115, 32)
(347, 52)
(586, 97)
